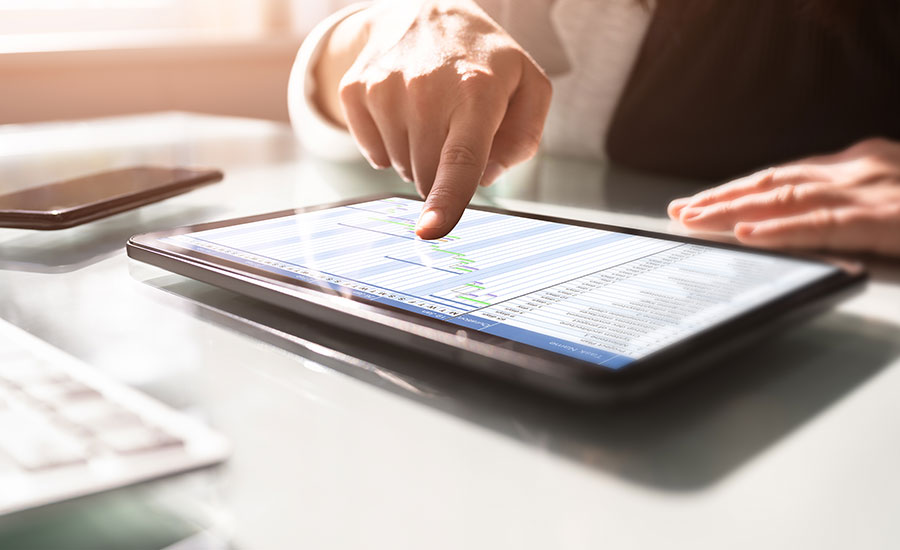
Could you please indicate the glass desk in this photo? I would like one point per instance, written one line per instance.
(339, 444)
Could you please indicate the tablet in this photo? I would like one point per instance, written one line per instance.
(585, 310)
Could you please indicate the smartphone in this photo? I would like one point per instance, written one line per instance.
(68, 203)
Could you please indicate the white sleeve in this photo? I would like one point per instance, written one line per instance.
(318, 134)
(527, 21)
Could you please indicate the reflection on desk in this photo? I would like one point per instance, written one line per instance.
(681, 440)
(343, 443)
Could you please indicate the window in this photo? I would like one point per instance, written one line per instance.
(48, 25)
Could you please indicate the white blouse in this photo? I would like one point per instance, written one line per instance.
(587, 47)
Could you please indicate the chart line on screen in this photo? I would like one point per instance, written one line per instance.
(601, 296)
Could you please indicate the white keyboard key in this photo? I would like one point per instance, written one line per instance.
(137, 439)
(35, 444)
(61, 393)
(20, 374)
(98, 415)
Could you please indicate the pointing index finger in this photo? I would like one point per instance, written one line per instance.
(462, 163)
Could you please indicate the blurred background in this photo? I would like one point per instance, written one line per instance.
(65, 59)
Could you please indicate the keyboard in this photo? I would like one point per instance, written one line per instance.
(67, 431)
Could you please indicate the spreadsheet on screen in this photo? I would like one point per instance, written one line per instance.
(604, 297)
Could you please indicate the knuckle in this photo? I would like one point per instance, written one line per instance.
(419, 84)
(779, 174)
(791, 174)
(871, 151)
(858, 146)
(476, 83)
(867, 168)
(786, 195)
(373, 90)
(527, 143)
(350, 89)
(382, 89)
(420, 96)
(447, 194)
(764, 179)
(727, 208)
(823, 223)
(393, 79)
(507, 54)
(876, 142)
(544, 85)
(531, 146)
(714, 194)
(459, 154)
(824, 219)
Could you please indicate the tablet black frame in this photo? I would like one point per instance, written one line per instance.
(534, 366)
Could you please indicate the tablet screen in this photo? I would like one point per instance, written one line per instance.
(604, 297)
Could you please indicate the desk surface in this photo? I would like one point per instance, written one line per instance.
(794, 444)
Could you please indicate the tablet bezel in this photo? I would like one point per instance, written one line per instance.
(269, 286)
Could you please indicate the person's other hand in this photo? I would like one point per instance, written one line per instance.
(447, 98)
(848, 201)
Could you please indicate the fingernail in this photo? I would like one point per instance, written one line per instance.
(689, 214)
(372, 162)
(676, 205)
(432, 218)
(403, 175)
(745, 229)
(680, 203)
(492, 173)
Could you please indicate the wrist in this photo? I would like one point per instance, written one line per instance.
(342, 46)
